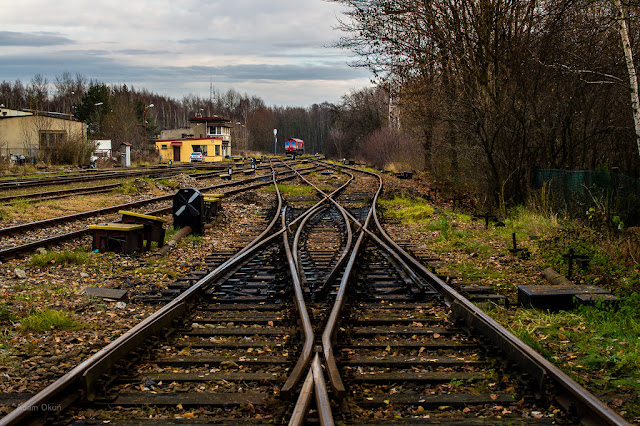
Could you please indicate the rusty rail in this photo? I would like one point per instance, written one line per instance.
(303, 361)
(81, 380)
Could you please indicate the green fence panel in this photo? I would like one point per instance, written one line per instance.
(576, 191)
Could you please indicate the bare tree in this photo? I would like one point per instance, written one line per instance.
(497, 87)
(36, 141)
(631, 69)
(38, 92)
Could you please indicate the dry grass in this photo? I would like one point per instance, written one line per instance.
(530, 222)
(30, 211)
(397, 167)
(13, 170)
(26, 191)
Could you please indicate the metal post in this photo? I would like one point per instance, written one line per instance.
(144, 119)
(275, 142)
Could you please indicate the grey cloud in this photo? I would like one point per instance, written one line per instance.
(176, 81)
(95, 63)
(285, 72)
(207, 40)
(10, 38)
(135, 52)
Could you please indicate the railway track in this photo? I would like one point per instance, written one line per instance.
(62, 193)
(7, 184)
(321, 318)
(97, 175)
(34, 231)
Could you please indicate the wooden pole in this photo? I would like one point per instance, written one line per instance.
(174, 240)
(555, 278)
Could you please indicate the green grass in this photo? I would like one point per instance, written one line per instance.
(443, 225)
(599, 345)
(127, 188)
(22, 204)
(5, 314)
(50, 319)
(169, 233)
(168, 183)
(447, 224)
(151, 270)
(195, 239)
(528, 223)
(413, 210)
(64, 258)
(609, 266)
(293, 190)
(5, 214)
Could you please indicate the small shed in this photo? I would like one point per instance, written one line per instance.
(125, 154)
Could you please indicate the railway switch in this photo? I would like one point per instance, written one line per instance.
(189, 210)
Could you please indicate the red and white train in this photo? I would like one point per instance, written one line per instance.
(294, 146)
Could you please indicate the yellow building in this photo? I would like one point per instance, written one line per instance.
(209, 135)
(36, 134)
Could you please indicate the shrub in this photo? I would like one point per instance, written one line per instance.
(127, 188)
(50, 319)
(64, 258)
(410, 209)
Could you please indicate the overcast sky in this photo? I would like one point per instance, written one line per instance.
(275, 49)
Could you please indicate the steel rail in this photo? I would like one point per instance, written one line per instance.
(97, 176)
(80, 380)
(329, 332)
(575, 398)
(304, 359)
(336, 269)
(61, 193)
(87, 176)
(296, 239)
(343, 257)
(50, 195)
(314, 384)
(315, 376)
(107, 173)
(301, 408)
(307, 328)
(323, 404)
(396, 257)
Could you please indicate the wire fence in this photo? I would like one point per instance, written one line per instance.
(588, 192)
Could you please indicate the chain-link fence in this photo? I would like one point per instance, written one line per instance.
(577, 191)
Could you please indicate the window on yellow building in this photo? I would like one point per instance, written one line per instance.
(217, 150)
(200, 148)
